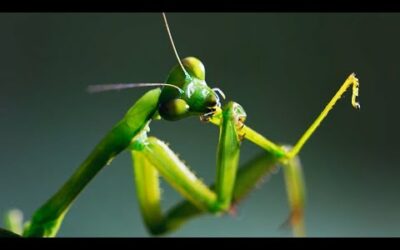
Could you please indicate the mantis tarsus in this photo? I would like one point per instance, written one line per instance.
(185, 93)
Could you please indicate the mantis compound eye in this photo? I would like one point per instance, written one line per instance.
(173, 110)
(194, 67)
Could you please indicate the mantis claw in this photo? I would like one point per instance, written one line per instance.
(354, 97)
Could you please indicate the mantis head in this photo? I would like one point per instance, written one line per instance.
(190, 94)
(195, 97)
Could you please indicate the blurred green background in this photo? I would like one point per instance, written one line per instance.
(282, 67)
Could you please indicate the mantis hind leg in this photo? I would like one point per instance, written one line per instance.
(351, 80)
(295, 189)
(292, 167)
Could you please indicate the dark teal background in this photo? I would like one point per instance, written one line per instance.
(283, 69)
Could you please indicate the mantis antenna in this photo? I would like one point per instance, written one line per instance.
(119, 86)
(173, 44)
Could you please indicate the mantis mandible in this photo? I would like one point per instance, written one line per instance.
(185, 93)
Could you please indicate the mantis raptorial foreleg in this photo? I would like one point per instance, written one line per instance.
(148, 192)
(151, 155)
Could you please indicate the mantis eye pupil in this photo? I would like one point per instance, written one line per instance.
(211, 101)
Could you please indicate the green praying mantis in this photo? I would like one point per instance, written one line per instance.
(185, 93)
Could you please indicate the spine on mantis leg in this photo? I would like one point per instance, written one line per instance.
(47, 219)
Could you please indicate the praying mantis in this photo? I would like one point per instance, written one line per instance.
(185, 93)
